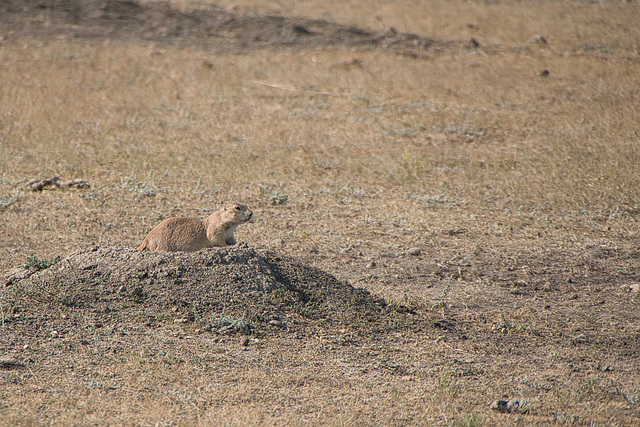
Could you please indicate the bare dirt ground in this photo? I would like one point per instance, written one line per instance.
(347, 304)
(213, 28)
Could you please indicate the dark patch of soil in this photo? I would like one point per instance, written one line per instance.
(212, 28)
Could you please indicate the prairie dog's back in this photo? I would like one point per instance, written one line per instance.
(176, 234)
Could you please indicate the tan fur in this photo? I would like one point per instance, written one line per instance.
(193, 234)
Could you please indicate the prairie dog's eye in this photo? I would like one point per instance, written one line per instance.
(237, 208)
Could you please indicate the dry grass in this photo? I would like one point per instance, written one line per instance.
(167, 134)
(370, 158)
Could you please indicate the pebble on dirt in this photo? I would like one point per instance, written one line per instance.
(520, 406)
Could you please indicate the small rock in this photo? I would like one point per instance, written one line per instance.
(545, 73)
(511, 406)
(277, 323)
(634, 288)
(244, 341)
(539, 39)
(301, 30)
(473, 43)
(122, 289)
(7, 361)
(372, 264)
(183, 320)
(380, 301)
(414, 251)
(55, 334)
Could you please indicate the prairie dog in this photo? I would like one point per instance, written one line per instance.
(193, 234)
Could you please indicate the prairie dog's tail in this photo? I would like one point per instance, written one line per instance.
(144, 246)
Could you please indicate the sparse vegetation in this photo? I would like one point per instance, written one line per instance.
(231, 324)
(501, 140)
(36, 264)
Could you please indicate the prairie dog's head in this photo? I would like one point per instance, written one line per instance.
(236, 213)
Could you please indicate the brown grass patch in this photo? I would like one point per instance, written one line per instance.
(519, 187)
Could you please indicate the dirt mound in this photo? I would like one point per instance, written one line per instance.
(213, 28)
(239, 281)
